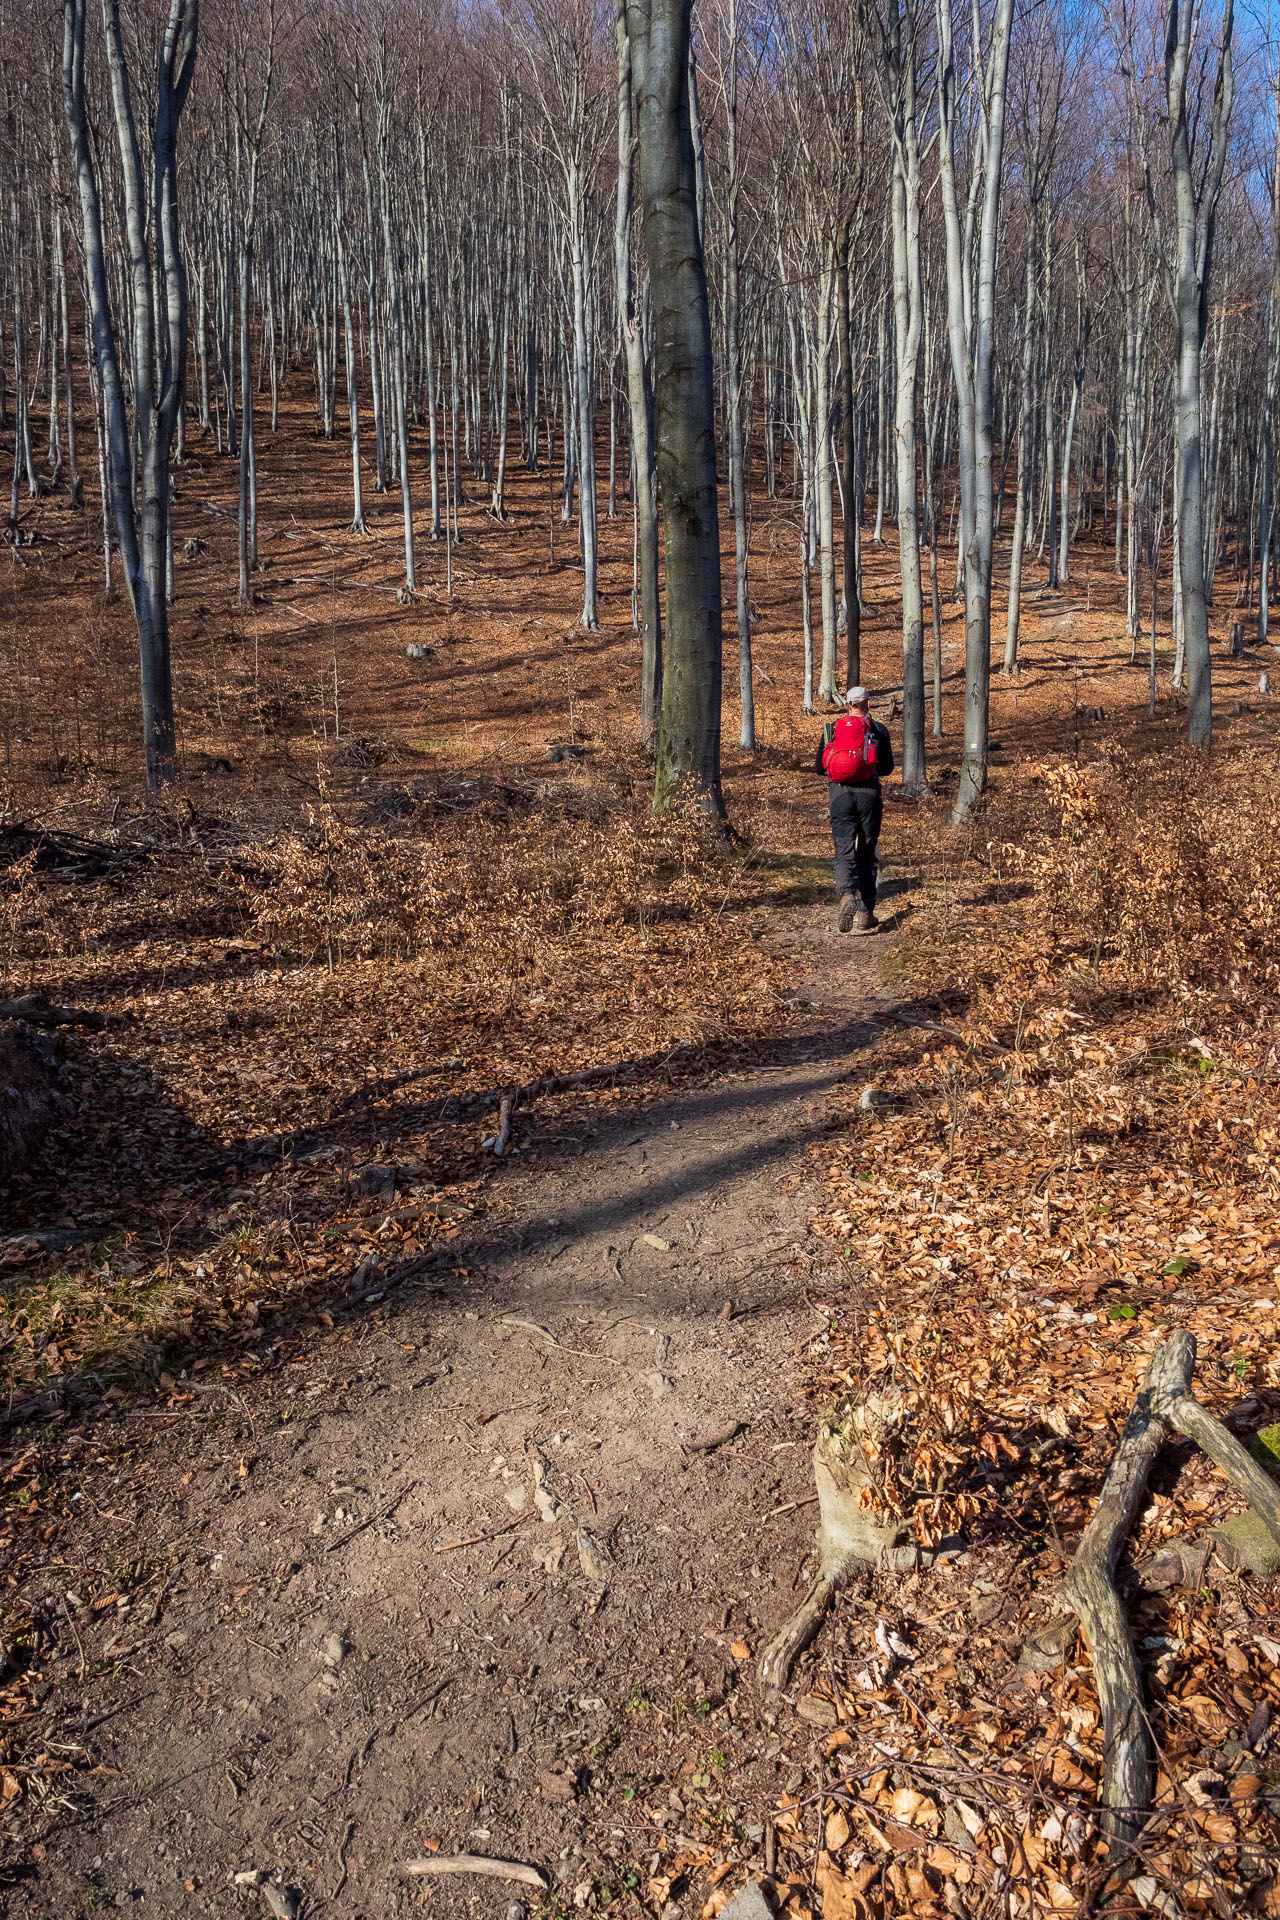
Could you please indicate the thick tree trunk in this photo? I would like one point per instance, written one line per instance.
(158, 343)
(1193, 250)
(689, 733)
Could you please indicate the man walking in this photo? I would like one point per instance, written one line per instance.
(855, 753)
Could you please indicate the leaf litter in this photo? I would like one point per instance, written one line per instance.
(1090, 1158)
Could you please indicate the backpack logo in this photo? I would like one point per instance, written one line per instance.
(852, 755)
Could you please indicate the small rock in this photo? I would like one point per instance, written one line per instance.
(876, 1100)
(595, 1560)
(656, 1240)
(559, 1785)
(1265, 1448)
(986, 1608)
(517, 1911)
(658, 1383)
(549, 1552)
(334, 1650)
(1245, 1542)
(417, 650)
(816, 1711)
(748, 1903)
(366, 1272)
(251, 1877)
(551, 1508)
(284, 1903)
(377, 1179)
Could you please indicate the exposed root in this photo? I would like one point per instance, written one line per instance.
(851, 1533)
(1089, 1594)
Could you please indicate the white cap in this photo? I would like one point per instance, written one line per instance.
(857, 697)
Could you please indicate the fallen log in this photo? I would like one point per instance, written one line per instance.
(1089, 1596)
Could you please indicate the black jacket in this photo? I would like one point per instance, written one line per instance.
(884, 759)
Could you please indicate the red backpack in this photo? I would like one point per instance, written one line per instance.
(852, 754)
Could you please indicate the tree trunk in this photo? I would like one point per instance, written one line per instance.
(1195, 217)
(639, 404)
(689, 733)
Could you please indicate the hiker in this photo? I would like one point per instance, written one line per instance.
(855, 751)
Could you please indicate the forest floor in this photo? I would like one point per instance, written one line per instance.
(359, 1504)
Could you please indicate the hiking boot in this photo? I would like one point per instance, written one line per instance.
(865, 922)
(846, 912)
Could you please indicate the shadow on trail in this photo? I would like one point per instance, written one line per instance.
(160, 1183)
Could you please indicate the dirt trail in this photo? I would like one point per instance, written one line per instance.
(381, 1633)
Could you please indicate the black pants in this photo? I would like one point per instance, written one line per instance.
(855, 828)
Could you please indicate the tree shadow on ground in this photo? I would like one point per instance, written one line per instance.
(157, 1193)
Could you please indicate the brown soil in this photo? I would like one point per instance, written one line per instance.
(487, 1699)
(307, 1618)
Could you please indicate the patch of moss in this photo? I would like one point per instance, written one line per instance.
(1265, 1448)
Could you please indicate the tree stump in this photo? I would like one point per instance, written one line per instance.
(28, 1093)
(852, 1530)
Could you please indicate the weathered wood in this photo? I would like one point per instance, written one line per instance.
(850, 1532)
(798, 1632)
(1246, 1476)
(1168, 1378)
(1088, 1592)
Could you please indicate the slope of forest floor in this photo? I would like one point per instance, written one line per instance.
(354, 1505)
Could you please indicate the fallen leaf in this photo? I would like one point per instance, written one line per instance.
(841, 1896)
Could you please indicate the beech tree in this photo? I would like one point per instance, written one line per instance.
(157, 341)
(466, 241)
(689, 731)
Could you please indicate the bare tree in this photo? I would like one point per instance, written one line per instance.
(970, 329)
(157, 343)
(689, 735)
(639, 399)
(899, 30)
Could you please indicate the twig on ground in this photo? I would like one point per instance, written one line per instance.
(384, 1513)
(531, 1326)
(478, 1863)
(479, 1539)
(791, 1506)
